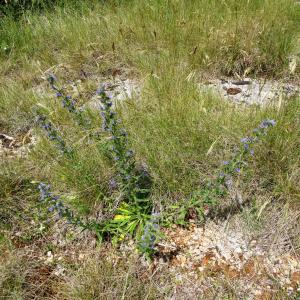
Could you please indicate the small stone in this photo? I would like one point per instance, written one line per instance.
(81, 256)
(233, 91)
(161, 261)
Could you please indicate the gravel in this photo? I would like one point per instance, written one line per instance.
(251, 91)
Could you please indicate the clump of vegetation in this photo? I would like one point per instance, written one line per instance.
(133, 208)
(151, 161)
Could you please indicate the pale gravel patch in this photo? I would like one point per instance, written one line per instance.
(260, 92)
(222, 252)
(251, 91)
(118, 89)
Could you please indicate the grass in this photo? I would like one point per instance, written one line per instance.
(98, 278)
(208, 36)
(180, 133)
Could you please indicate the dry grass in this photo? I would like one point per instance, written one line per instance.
(100, 278)
(182, 134)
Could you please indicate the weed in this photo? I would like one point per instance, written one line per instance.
(132, 214)
(207, 198)
(68, 103)
(54, 204)
(122, 155)
(150, 236)
(54, 135)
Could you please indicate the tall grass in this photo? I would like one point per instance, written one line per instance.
(178, 132)
(221, 37)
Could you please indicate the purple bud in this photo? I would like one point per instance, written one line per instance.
(272, 122)
(113, 184)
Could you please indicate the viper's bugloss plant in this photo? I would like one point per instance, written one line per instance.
(132, 216)
(122, 155)
(55, 205)
(132, 213)
(202, 201)
(150, 236)
(128, 220)
(68, 102)
(53, 135)
(237, 163)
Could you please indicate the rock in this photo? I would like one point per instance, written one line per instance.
(233, 91)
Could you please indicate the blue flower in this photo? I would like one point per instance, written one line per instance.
(44, 191)
(150, 234)
(113, 184)
(245, 140)
(272, 122)
(51, 78)
(101, 90)
(129, 153)
(268, 122)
